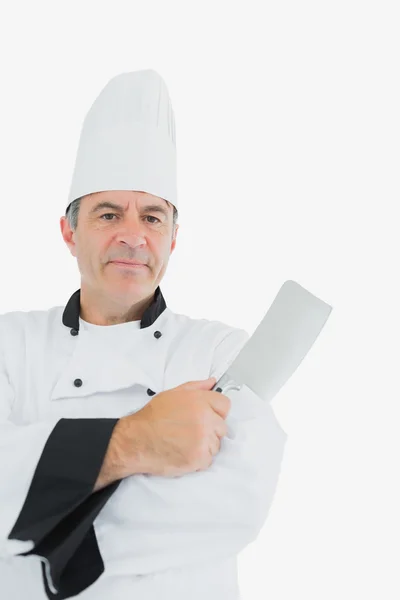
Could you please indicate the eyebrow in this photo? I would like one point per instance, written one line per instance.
(114, 206)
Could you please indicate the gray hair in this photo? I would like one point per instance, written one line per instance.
(72, 213)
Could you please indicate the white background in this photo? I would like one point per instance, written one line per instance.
(287, 124)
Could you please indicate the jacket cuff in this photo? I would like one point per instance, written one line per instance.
(72, 557)
(60, 506)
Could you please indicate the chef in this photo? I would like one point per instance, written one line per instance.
(99, 397)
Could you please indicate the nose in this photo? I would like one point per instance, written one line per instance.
(131, 239)
(131, 233)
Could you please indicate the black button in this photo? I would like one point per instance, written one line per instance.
(78, 382)
(150, 392)
(74, 332)
(157, 334)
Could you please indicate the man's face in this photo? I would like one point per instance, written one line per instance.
(128, 232)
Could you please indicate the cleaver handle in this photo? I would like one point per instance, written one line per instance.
(225, 383)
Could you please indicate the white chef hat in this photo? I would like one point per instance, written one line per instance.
(127, 140)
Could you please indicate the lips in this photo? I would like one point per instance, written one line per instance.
(127, 262)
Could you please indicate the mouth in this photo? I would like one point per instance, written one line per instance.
(129, 265)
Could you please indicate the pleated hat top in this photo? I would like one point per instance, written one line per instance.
(127, 140)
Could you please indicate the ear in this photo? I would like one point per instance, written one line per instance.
(67, 234)
(173, 244)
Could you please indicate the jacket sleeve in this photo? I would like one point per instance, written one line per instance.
(48, 471)
(162, 523)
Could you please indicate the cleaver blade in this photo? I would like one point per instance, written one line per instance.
(279, 344)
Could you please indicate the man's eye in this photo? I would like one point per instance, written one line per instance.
(113, 215)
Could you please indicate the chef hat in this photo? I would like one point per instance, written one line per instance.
(127, 140)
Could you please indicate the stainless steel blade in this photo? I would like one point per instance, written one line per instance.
(279, 344)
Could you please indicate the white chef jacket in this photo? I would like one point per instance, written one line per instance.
(64, 384)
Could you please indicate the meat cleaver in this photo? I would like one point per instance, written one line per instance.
(279, 344)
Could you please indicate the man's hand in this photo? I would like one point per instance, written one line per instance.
(178, 431)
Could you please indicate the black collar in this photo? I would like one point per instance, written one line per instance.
(72, 309)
